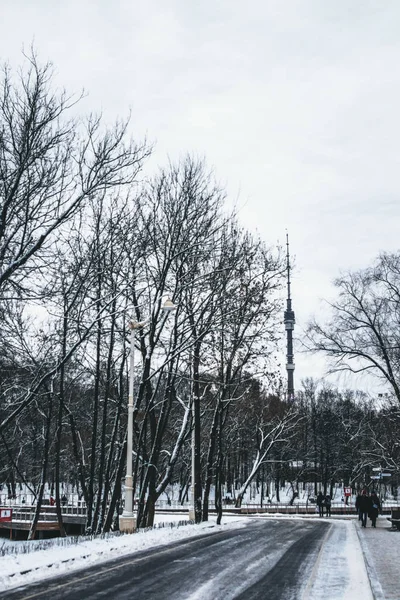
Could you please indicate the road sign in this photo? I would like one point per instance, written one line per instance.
(5, 514)
(347, 491)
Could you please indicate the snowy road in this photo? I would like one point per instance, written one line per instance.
(267, 559)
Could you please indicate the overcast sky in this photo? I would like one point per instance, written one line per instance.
(294, 102)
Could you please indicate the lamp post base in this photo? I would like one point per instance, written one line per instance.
(127, 524)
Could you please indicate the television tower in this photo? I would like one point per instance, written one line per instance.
(289, 321)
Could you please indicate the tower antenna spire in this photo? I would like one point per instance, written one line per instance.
(289, 321)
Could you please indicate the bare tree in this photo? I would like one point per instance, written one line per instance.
(180, 220)
(244, 332)
(270, 430)
(50, 164)
(363, 332)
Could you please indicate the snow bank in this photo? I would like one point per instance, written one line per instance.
(22, 569)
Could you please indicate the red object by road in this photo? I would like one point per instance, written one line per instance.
(5, 514)
(347, 491)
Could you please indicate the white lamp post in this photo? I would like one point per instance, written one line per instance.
(127, 521)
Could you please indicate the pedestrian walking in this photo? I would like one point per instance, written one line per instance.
(364, 504)
(320, 504)
(358, 506)
(328, 503)
(375, 508)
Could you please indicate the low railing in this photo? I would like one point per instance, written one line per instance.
(28, 516)
(66, 510)
(48, 513)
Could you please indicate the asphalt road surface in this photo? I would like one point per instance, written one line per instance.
(268, 560)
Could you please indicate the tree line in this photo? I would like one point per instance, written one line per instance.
(89, 244)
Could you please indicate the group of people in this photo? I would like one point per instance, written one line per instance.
(324, 503)
(368, 506)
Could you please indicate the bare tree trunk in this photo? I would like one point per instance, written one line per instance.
(210, 463)
(184, 487)
(218, 472)
(59, 427)
(116, 495)
(197, 485)
(104, 483)
(91, 516)
(32, 531)
(78, 457)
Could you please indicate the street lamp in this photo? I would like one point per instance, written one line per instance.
(127, 521)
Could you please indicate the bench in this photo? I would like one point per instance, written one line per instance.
(395, 518)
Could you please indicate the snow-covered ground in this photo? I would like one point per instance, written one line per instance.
(339, 572)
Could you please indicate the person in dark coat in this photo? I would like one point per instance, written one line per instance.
(364, 507)
(328, 503)
(320, 504)
(358, 506)
(375, 507)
